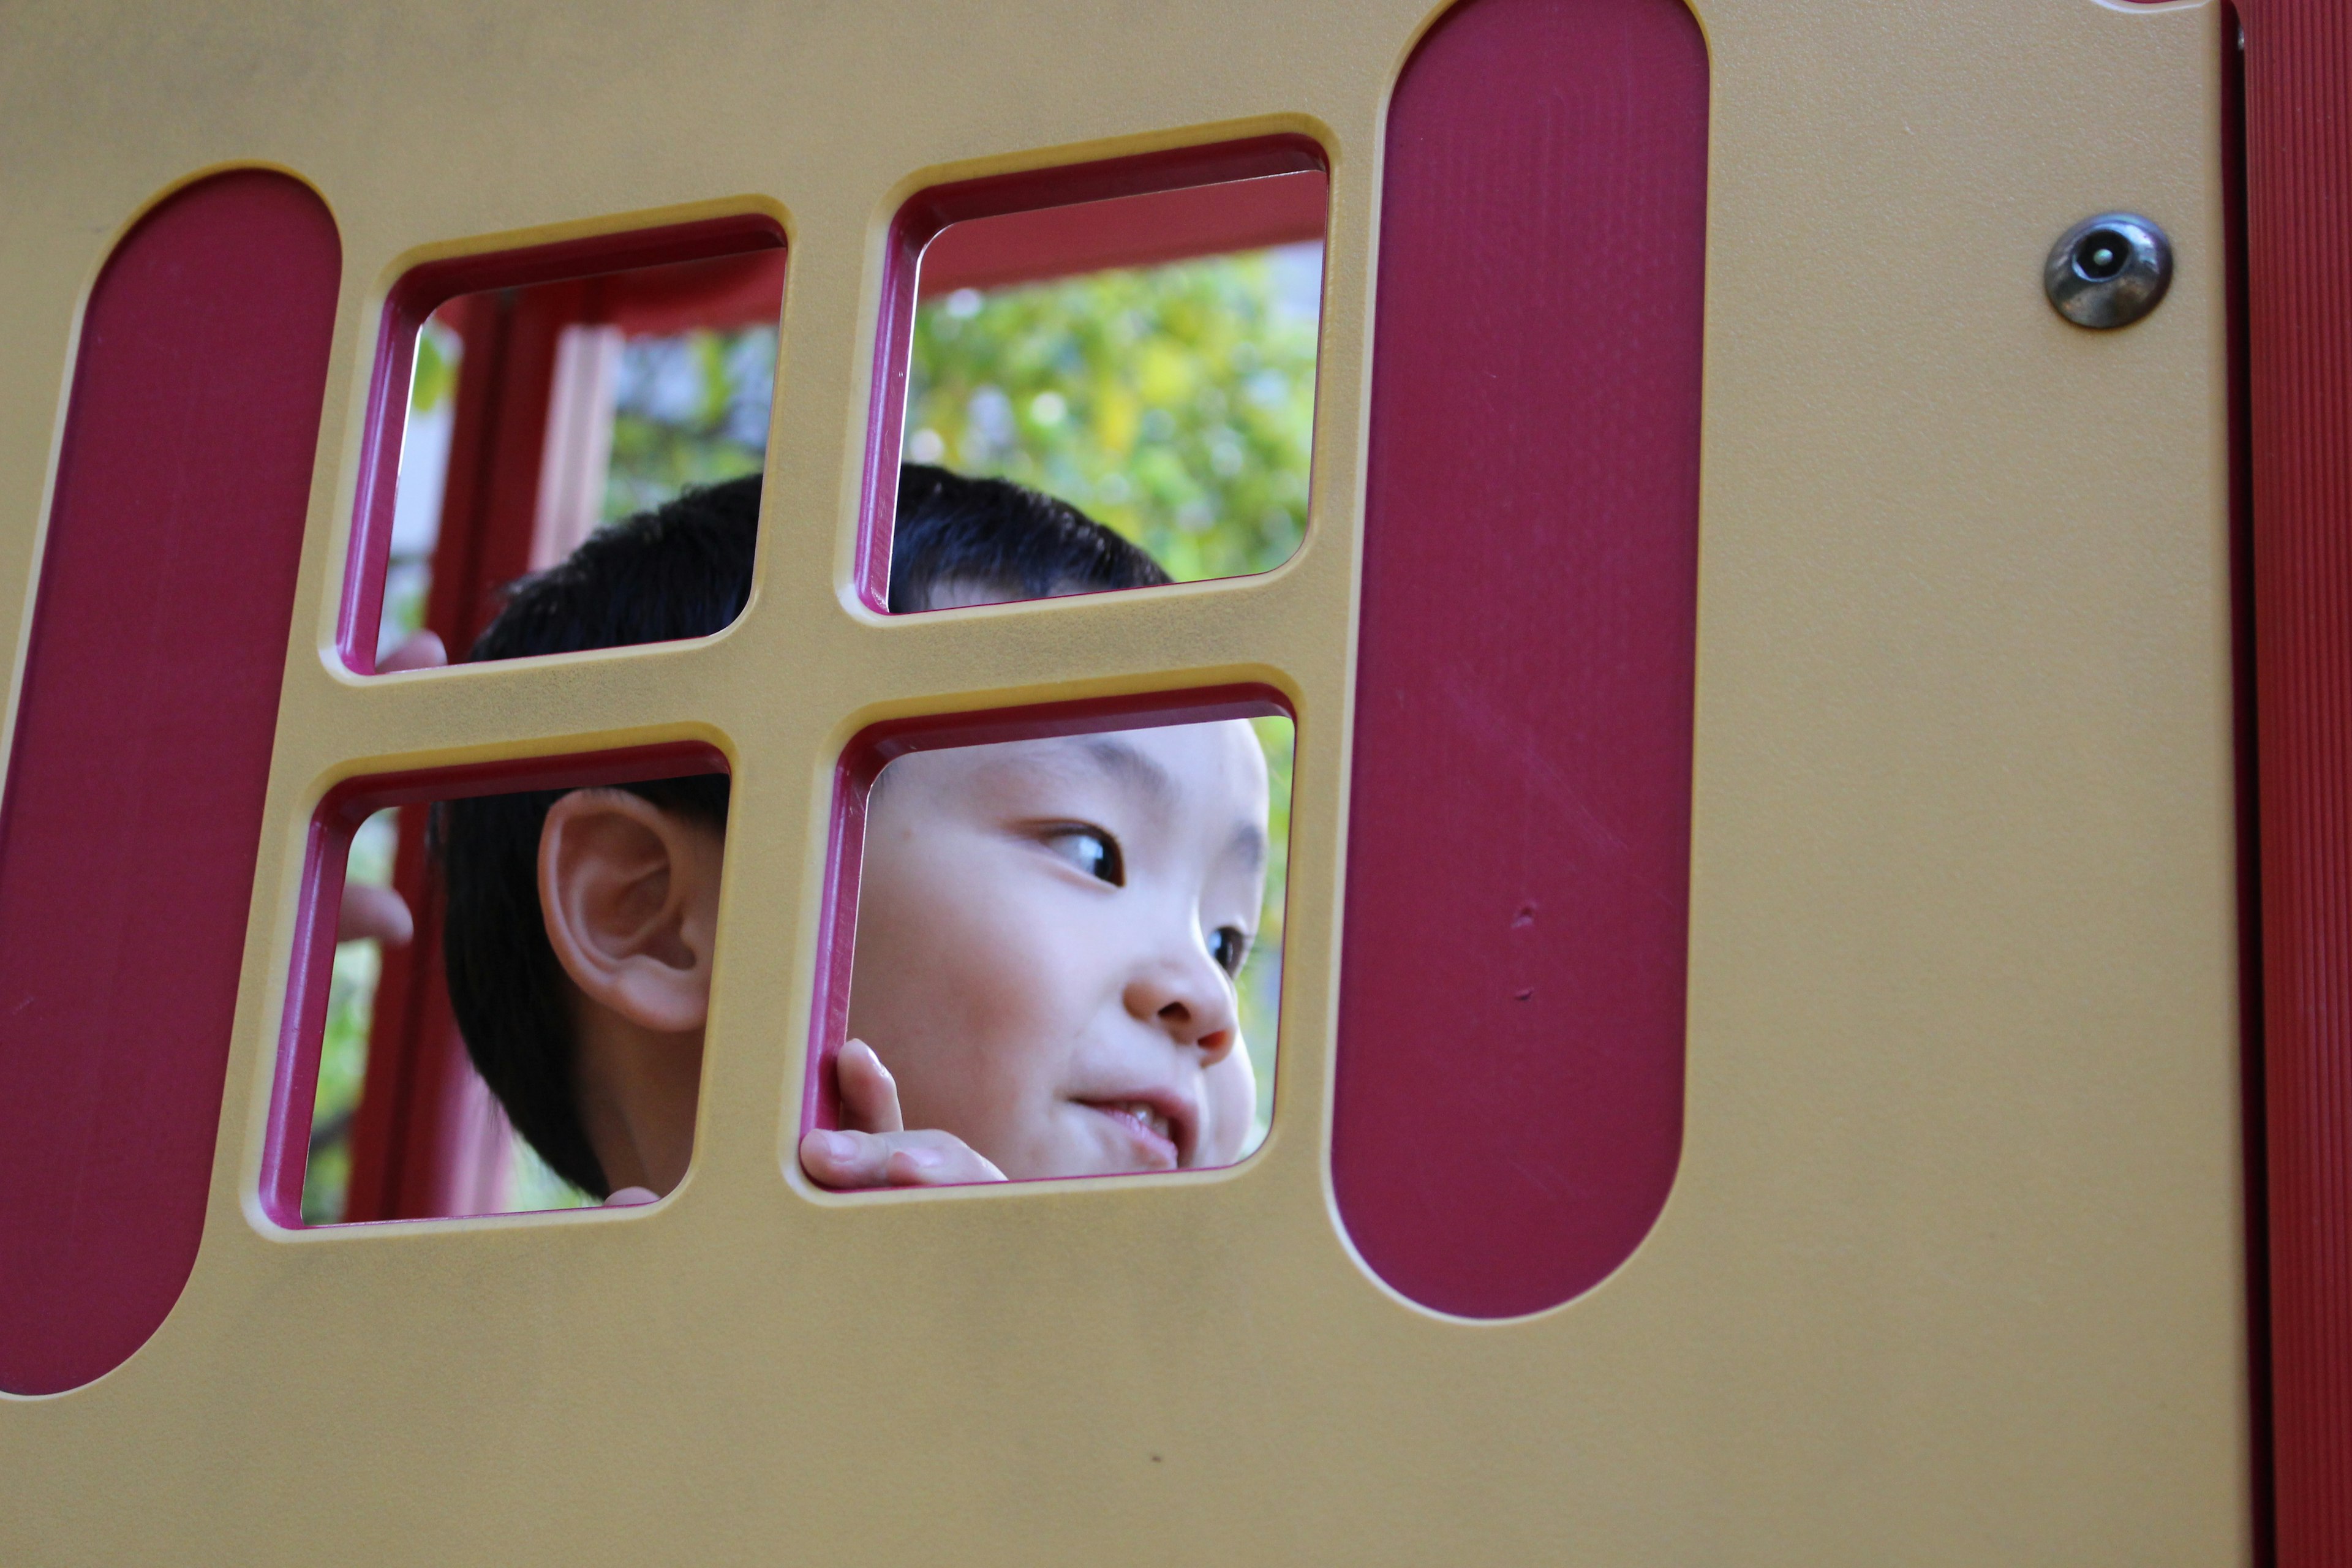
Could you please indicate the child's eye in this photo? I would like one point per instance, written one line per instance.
(1229, 945)
(1091, 850)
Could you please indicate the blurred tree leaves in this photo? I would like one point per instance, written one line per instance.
(433, 377)
(342, 1054)
(689, 410)
(1175, 404)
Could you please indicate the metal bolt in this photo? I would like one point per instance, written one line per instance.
(2108, 270)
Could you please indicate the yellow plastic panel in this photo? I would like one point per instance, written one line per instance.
(1952, 1271)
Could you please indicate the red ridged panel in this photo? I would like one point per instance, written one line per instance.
(2298, 144)
(1509, 1109)
(144, 725)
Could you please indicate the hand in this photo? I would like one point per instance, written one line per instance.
(875, 1149)
(371, 913)
(423, 650)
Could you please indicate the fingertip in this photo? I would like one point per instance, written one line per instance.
(423, 651)
(371, 913)
(869, 1095)
(914, 1167)
(829, 1158)
(830, 1147)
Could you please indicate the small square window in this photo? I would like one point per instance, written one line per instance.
(426, 970)
(1135, 339)
(526, 399)
(1056, 944)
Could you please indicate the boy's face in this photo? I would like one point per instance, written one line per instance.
(1048, 937)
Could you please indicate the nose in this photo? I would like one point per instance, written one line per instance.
(1181, 990)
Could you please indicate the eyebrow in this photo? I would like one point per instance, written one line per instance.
(1131, 767)
(1122, 761)
(1135, 770)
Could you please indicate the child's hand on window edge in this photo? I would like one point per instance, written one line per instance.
(874, 1149)
(375, 914)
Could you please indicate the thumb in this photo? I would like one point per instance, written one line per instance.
(373, 912)
(422, 651)
(869, 1095)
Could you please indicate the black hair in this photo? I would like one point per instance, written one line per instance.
(683, 570)
(1004, 538)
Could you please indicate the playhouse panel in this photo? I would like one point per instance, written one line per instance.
(1952, 1265)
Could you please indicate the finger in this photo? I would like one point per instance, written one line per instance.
(869, 1095)
(932, 1159)
(850, 1161)
(373, 912)
(423, 651)
(846, 1161)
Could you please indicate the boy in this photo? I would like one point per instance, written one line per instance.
(1048, 930)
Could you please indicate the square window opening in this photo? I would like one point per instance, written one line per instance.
(1053, 944)
(445, 1027)
(1134, 338)
(528, 399)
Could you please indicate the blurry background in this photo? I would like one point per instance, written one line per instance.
(1174, 403)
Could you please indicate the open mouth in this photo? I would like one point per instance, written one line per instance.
(1157, 1136)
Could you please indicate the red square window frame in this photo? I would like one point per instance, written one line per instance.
(922, 217)
(425, 288)
(876, 746)
(326, 855)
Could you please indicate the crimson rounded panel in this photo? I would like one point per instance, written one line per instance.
(2298, 193)
(141, 756)
(1508, 1105)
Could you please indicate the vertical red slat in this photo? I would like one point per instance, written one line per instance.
(2254, 1155)
(416, 1063)
(141, 756)
(2298, 149)
(1508, 1110)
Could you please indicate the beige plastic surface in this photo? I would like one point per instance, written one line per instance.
(1952, 1272)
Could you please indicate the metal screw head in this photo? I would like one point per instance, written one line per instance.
(2108, 270)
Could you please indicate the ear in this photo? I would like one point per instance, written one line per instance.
(630, 893)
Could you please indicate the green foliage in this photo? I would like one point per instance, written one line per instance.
(433, 379)
(532, 1185)
(690, 410)
(1175, 404)
(342, 1054)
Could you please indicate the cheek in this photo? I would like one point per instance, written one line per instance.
(957, 984)
(1230, 1090)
